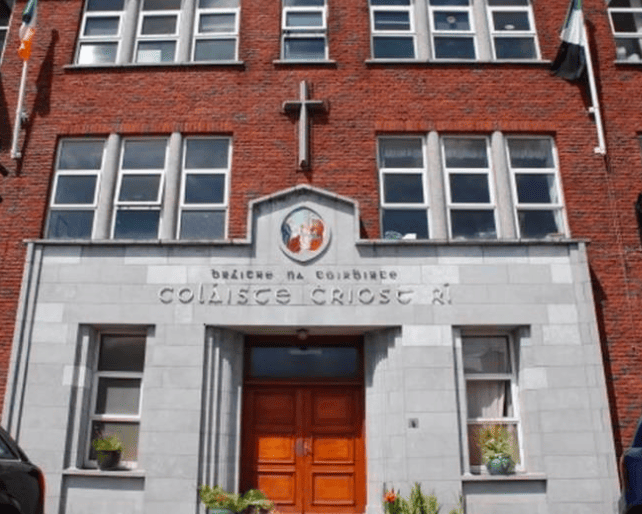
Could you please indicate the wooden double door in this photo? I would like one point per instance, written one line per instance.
(303, 446)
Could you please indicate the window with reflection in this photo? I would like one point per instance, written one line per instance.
(74, 196)
(471, 206)
(216, 30)
(453, 29)
(512, 29)
(304, 362)
(101, 30)
(536, 190)
(139, 188)
(403, 187)
(626, 22)
(304, 30)
(393, 32)
(157, 35)
(116, 393)
(204, 191)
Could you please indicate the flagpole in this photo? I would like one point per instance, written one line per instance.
(595, 103)
(15, 153)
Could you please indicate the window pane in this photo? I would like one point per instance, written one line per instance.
(515, 48)
(536, 188)
(5, 14)
(139, 188)
(454, 48)
(486, 355)
(220, 4)
(451, 20)
(400, 222)
(449, 2)
(400, 153)
(312, 362)
(538, 224)
(81, 155)
(121, 353)
(469, 188)
(126, 432)
(159, 25)
(217, 23)
(394, 48)
(215, 50)
(384, 20)
(489, 398)
(136, 224)
(207, 153)
(304, 48)
(161, 5)
(501, 3)
(97, 53)
(304, 19)
(150, 52)
(118, 396)
(202, 225)
(620, 3)
(140, 155)
(403, 188)
(107, 26)
(531, 153)
(473, 224)
(389, 2)
(303, 3)
(627, 22)
(70, 224)
(465, 153)
(71, 189)
(203, 188)
(105, 5)
(474, 447)
(629, 49)
(509, 20)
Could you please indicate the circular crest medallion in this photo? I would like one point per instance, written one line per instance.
(304, 234)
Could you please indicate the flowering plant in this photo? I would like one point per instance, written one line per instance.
(417, 503)
(216, 498)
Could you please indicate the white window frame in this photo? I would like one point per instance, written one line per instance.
(151, 205)
(98, 173)
(471, 33)
(512, 339)
(423, 171)
(112, 418)
(498, 34)
(210, 36)
(450, 205)
(117, 39)
(621, 53)
(4, 29)
(301, 32)
(158, 38)
(557, 207)
(411, 33)
(224, 206)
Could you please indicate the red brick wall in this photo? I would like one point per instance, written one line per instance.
(365, 100)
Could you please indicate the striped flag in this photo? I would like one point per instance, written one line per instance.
(570, 63)
(27, 29)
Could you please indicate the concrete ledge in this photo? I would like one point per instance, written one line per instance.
(516, 477)
(118, 473)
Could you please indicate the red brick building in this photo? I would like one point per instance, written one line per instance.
(392, 78)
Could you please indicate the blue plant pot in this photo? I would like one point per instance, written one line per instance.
(500, 466)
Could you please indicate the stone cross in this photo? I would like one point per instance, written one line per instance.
(304, 108)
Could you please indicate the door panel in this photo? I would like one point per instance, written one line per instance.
(303, 447)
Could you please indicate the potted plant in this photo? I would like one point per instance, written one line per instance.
(497, 447)
(108, 451)
(219, 501)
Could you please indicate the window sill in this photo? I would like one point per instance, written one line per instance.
(117, 473)
(621, 62)
(516, 477)
(534, 62)
(305, 62)
(132, 65)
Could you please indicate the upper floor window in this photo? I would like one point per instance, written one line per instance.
(204, 188)
(626, 22)
(5, 15)
(512, 29)
(404, 193)
(75, 189)
(161, 33)
(537, 195)
(393, 32)
(453, 29)
(304, 30)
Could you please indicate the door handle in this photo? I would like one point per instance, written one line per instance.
(307, 446)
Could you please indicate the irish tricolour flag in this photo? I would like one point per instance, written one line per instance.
(27, 29)
(570, 62)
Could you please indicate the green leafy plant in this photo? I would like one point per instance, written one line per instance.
(417, 502)
(495, 441)
(107, 444)
(216, 498)
(459, 509)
